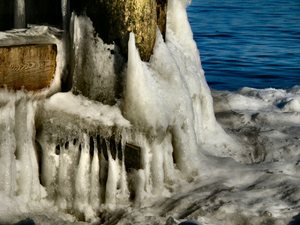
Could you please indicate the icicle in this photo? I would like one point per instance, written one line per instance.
(103, 175)
(95, 180)
(67, 166)
(82, 182)
(157, 170)
(168, 164)
(123, 179)
(65, 10)
(62, 179)
(146, 163)
(50, 163)
(139, 184)
(112, 179)
(7, 149)
(28, 180)
(20, 17)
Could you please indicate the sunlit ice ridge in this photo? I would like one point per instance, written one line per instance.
(123, 133)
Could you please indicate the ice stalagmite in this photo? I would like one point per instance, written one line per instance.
(113, 174)
(162, 104)
(49, 168)
(95, 197)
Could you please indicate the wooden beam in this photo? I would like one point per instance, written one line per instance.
(31, 67)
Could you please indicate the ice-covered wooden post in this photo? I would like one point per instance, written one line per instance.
(115, 19)
(139, 16)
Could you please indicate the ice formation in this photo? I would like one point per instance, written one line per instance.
(20, 14)
(68, 155)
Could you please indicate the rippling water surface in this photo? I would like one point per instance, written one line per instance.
(254, 43)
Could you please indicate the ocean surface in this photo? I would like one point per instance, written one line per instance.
(253, 43)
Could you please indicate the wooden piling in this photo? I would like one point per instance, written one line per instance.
(31, 67)
(115, 19)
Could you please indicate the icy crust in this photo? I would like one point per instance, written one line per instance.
(227, 192)
(96, 66)
(40, 35)
(79, 106)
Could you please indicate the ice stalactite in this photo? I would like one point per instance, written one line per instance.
(7, 149)
(18, 151)
(49, 166)
(95, 195)
(65, 9)
(20, 17)
(82, 180)
(28, 175)
(68, 155)
(112, 179)
(97, 66)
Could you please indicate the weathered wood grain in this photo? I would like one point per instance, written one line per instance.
(138, 16)
(31, 67)
(115, 19)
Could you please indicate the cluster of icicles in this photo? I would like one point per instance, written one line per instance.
(87, 175)
(82, 175)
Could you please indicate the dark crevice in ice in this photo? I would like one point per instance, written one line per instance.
(46, 12)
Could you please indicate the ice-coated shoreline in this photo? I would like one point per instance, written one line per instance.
(234, 160)
(265, 191)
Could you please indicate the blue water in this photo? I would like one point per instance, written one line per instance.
(253, 43)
